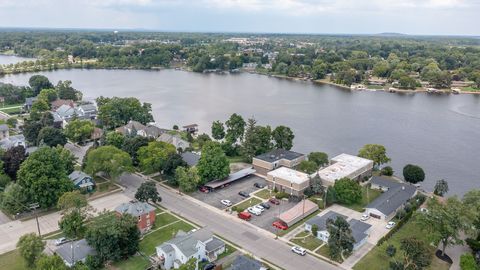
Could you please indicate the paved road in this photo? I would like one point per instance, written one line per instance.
(260, 243)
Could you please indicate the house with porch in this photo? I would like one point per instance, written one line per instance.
(82, 180)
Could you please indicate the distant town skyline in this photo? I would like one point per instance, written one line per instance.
(414, 17)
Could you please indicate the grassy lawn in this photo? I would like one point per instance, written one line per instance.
(228, 250)
(264, 194)
(299, 223)
(12, 110)
(164, 219)
(159, 210)
(325, 251)
(151, 240)
(133, 263)
(12, 261)
(247, 203)
(235, 159)
(310, 242)
(372, 195)
(377, 258)
(318, 200)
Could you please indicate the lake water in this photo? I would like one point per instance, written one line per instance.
(12, 59)
(441, 133)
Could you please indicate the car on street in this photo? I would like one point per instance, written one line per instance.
(274, 201)
(299, 250)
(265, 205)
(209, 266)
(258, 185)
(245, 216)
(390, 225)
(243, 194)
(204, 189)
(259, 207)
(61, 241)
(226, 202)
(254, 211)
(364, 217)
(280, 225)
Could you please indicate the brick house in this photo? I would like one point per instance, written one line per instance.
(144, 212)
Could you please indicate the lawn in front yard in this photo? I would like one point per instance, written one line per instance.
(368, 195)
(247, 203)
(310, 242)
(156, 238)
(264, 194)
(133, 263)
(299, 223)
(12, 261)
(164, 219)
(377, 258)
(325, 252)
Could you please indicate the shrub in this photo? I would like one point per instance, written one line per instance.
(413, 174)
(391, 250)
(281, 195)
(401, 213)
(467, 262)
(387, 170)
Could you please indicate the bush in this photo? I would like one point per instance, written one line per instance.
(401, 213)
(408, 207)
(94, 262)
(391, 250)
(308, 192)
(413, 174)
(388, 171)
(467, 262)
(282, 195)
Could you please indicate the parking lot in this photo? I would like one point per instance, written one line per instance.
(268, 216)
(230, 192)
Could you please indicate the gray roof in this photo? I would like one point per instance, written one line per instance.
(29, 101)
(396, 195)
(359, 229)
(12, 141)
(187, 242)
(190, 158)
(321, 221)
(245, 263)
(65, 111)
(81, 250)
(135, 208)
(175, 140)
(214, 244)
(77, 176)
(167, 248)
(3, 127)
(278, 154)
(88, 107)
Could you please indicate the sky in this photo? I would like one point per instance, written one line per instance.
(421, 17)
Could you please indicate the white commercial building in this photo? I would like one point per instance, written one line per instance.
(345, 165)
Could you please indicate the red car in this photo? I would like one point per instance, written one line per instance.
(280, 225)
(245, 215)
(274, 201)
(204, 189)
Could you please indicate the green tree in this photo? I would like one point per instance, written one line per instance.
(131, 146)
(330, 196)
(387, 170)
(117, 111)
(30, 247)
(348, 191)
(283, 137)
(148, 192)
(31, 129)
(13, 199)
(316, 184)
(307, 166)
(445, 221)
(12, 159)
(187, 178)
(319, 70)
(218, 130)
(116, 139)
(467, 262)
(79, 130)
(54, 262)
(416, 254)
(189, 265)
(153, 157)
(66, 91)
(320, 158)
(391, 250)
(44, 176)
(315, 230)
(375, 152)
(407, 82)
(413, 173)
(441, 187)
(38, 107)
(235, 128)
(113, 237)
(173, 162)
(109, 160)
(340, 240)
(39, 82)
(72, 200)
(257, 140)
(213, 163)
(47, 95)
(72, 224)
(51, 137)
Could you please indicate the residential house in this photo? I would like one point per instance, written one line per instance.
(199, 244)
(65, 113)
(275, 159)
(87, 111)
(4, 131)
(73, 252)
(288, 180)
(395, 195)
(190, 158)
(144, 212)
(349, 166)
(243, 262)
(82, 180)
(12, 141)
(28, 103)
(175, 140)
(96, 134)
(59, 102)
(192, 128)
(137, 128)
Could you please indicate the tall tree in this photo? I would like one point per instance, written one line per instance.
(79, 130)
(13, 199)
(153, 157)
(31, 129)
(340, 240)
(213, 163)
(117, 111)
(218, 130)
(257, 140)
(348, 191)
(66, 91)
(415, 254)
(413, 173)
(47, 95)
(109, 160)
(173, 162)
(187, 178)
(131, 146)
(235, 128)
(30, 247)
(51, 137)
(307, 166)
(375, 152)
(39, 82)
(320, 158)
(12, 159)
(116, 139)
(148, 192)
(53, 262)
(441, 187)
(283, 137)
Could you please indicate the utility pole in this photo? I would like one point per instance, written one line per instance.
(34, 206)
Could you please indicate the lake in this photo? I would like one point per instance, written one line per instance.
(12, 59)
(440, 133)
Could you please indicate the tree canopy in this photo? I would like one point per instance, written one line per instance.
(79, 130)
(153, 157)
(374, 152)
(148, 192)
(413, 174)
(340, 240)
(213, 163)
(117, 111)
(39, 82)
(283, 137)
(109, 160)
(348, 191)
(30, 247)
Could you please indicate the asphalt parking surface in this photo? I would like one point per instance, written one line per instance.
(268, 216)
(229, 193)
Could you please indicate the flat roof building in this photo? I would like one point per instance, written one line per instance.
(345, 165)
(276, 158)
(288, 180)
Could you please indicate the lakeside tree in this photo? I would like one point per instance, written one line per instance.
(48, 95)
(441, 187)
(218, 130)
(153, 157)
(307, 166)
(340, 240)
(66, 91)
(213, 163)
(38, 107)
(258, 140)
(30, 247)
(413, 174)
(347, 191)
(283, 137)
(375, 152)
(39, 82)
(147, 191)
(108, 160)
(117, 111)
(387, 170)
(12, 159)
(51, 136)
(79, 130)
(187, 178)
(235, 128)
(320, 158)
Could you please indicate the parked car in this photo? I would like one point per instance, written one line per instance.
(280, 225)
(258, 185)
(226, 202)
(259, 207)
(365, 217)
(245, 216)
(265, 205)
(390, 225)
(255, 211)
(274, 201)
(243, 194)
(204, 189)
(209, 266)
(299, 250)
(61, 241)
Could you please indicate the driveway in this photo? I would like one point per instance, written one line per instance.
(78, 151)
(4, 218)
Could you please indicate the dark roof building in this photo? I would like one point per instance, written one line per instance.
(321, 221)
(245, 263)
(276, 158)
(73, 252)
(135, 208)
(190, 158)
(278, 154)
(359, 229)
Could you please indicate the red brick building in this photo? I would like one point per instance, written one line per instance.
(144, 212)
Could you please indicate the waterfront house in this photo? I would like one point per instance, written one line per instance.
(59, 102)
(82, 180)
(192, 128)
(144, 212)
(138, 129)
(275, 159)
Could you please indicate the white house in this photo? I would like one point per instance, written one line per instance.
(199, 244)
